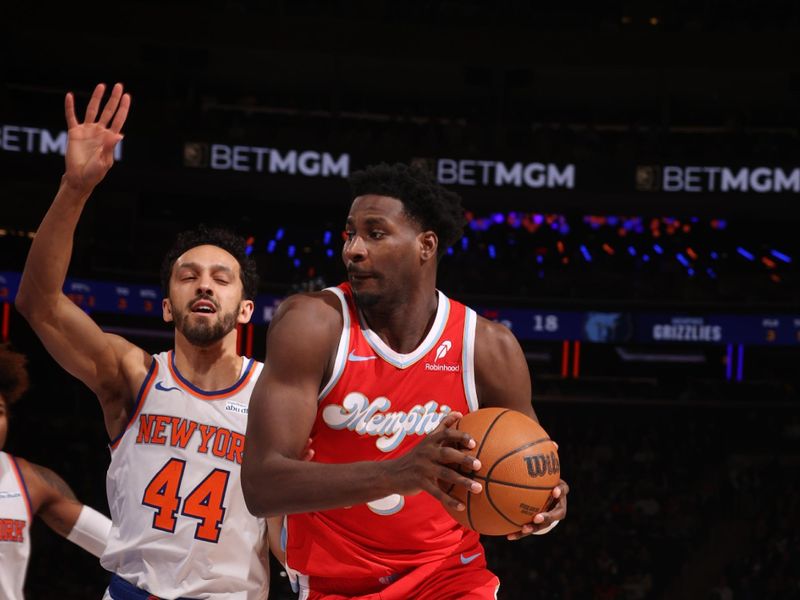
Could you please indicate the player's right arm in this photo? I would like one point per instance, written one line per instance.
(301, 343)
(107, 364)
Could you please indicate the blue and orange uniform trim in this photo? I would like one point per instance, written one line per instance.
(21, 481)
(195, 391)
(143, 391)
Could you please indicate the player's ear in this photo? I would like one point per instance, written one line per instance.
(429, 245)
(166, 310)
(246, 308)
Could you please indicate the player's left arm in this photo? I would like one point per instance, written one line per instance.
(502, 379)
(55, 502)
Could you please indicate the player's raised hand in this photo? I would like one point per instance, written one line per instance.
(431, 465)
(90, 144)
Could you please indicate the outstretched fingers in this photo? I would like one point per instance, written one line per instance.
(122, 113)
(69, 110)
(94, 103)
(111, 106)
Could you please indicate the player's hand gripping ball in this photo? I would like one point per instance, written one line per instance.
(519, 469)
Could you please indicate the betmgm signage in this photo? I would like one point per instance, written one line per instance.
(262, 159)
(36, 140)
(717, 179)
(498, 174)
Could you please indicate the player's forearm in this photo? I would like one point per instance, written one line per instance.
(51, 250)
(285, 486)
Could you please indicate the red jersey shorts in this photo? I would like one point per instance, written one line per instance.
(463, 576)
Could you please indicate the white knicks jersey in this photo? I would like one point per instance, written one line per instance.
(15, 527)
(180, 526)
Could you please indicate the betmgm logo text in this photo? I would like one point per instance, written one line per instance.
(260, 159)
(496, 173)
(35, 140)
(703, 179)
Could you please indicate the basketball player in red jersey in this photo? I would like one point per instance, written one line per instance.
(176, 419)
(377, 371)
(28, 489)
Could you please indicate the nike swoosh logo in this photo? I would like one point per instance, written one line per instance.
(356, 358)
(160, 386)
(465, 560)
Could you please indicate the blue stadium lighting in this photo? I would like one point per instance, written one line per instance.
(279, 234)
(537, 219)
(498, 218)
(586, 254)
(729, 362)
(646, 257)
(631, 250)
(748, 255)
(248, 250)
(329, 252)
(781, 256)
(540, 259)
(296, 263)
(290, 251)
(683, 260)
(690, 271)
(271, 246)
(464, 243)
(714, 255)
(450, 251)
(492, 251)
(612, 221)
(740, 363)
(711, 273)
(564, 229)
(658, 249)
(326, 238)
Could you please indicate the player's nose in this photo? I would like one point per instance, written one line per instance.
(356, 250)
(205, 285)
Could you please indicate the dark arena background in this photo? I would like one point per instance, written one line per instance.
(632, 176)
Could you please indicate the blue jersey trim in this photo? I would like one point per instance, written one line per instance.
(200, 392)
(137, 405)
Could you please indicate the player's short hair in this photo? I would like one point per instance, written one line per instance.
(424, 200)
(213, 236)
(14, 380)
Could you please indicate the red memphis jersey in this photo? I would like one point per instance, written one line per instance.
(377, 405)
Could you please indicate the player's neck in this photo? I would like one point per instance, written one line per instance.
(209, 368)
(403, 325)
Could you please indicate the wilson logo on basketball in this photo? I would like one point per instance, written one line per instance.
(540, 465)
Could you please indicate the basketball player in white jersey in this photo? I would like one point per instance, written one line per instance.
(176, 420)
(28, 489)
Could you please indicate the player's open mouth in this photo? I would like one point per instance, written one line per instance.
(204, 307)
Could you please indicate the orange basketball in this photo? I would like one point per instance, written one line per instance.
(519, 469)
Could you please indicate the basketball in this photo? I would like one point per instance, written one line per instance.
(519, 469)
